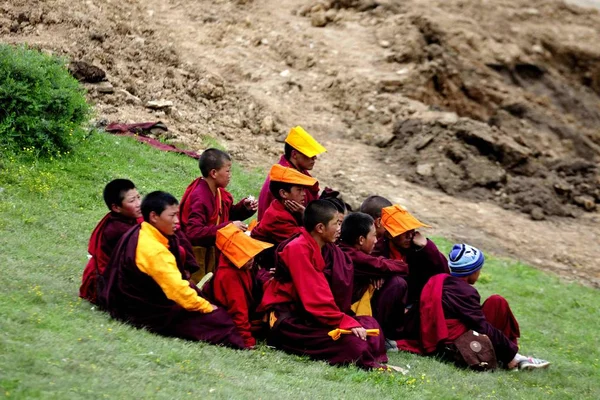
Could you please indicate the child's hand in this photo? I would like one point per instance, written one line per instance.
(250, 203)
(240, 225)
(419, 240)
(294, 206)
(377, 283)
(360, 332)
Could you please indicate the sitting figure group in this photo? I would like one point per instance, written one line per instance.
(310, 277)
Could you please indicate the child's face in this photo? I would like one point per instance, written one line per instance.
(131, 205)
(222, 176)
(331, 232)
(167, 220)
(297, 194)
(404, 240)
(304, 162)
(368, 243)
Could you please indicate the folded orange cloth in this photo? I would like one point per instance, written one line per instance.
(337, 333)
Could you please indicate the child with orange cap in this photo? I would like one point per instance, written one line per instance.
(283, 217)
(300, 152)
(403, 242)
(233, 284)
(207, 207)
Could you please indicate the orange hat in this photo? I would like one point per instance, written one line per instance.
(279, 173)
(300, 140)
(237, 247)
(396, 220)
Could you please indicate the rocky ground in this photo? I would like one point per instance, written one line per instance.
(481, 117)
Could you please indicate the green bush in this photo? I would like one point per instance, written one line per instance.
(42, 107)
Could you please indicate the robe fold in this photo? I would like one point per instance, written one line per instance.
(304, 310)
(450, 306)
(144, 286)
(102, 242)
(265, 197)
(235, 290)
(276, 226)
(389, 301)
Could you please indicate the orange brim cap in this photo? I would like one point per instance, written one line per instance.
(279, 173)
(396, 220)
(300, 140)
(238, 247)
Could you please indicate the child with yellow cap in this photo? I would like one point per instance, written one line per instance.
(300, 152)
(234, 281)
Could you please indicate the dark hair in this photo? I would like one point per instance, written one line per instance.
(275, 186)
(114, 191)
(354, 226)
(212, 159)
(337, 203)
(373, 205)
(287, 150)
(318, 212)
(157, 201)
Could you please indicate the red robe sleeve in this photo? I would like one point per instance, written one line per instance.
(230, 287)
(198, 228)
(312, 287)
(276, 226)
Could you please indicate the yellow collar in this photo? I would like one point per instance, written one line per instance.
(155, 233)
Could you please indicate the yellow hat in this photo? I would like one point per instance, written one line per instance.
(396, 220)
(300, 140)
(237, 247)
(279, 173)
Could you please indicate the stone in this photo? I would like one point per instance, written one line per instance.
(85, 72)
(537, 214)
(130, 98)
(267, 124)
(105, 88)
(318, 19)
(159, 104)
(425, 169)
(587, 202)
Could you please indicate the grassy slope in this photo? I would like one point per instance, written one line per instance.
(53, 345)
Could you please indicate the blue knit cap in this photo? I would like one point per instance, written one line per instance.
(464, 260)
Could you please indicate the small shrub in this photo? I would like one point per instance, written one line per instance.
(42, 107)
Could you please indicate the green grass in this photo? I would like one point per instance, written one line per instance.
(54, 345)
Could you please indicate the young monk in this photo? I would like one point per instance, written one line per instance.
(302, 311)
(207, 207)
(234, 283)
(389, 298)
(450, 306)
(283, 218)
(123, 201)
(144, 285)
(300, 152)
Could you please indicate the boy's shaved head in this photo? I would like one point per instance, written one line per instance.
(212, 159)
(338, 204)
(157, 201)
(373, 205)
(114, 192)
(354, 226)
(319, 212)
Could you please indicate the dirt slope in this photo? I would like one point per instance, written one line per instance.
(478, 117)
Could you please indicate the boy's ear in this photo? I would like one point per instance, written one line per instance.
(212, 173)
(320, 228)
(153, 217)
(115, 208)
(377, 222)
(361, 240)
(282, 194)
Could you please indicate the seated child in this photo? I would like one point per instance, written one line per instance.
(207, 207)
(123, 201)
(234, 285)
(385, 276)
(283, 217)
(144, 284)
(300, 153)
(450, 307)
(301, 308)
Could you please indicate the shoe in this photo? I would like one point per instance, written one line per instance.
(533, 363)
(391, 346)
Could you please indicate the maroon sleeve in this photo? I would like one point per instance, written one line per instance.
(313, 289)
(423, 264)
(197, 229)
(368, 266)
(461, 301)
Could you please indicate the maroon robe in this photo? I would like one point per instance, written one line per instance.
(104, 239)
(276, 226)
(132, 296)
(266, 197)
(389, 301)
(450, 307)
(300, 299)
